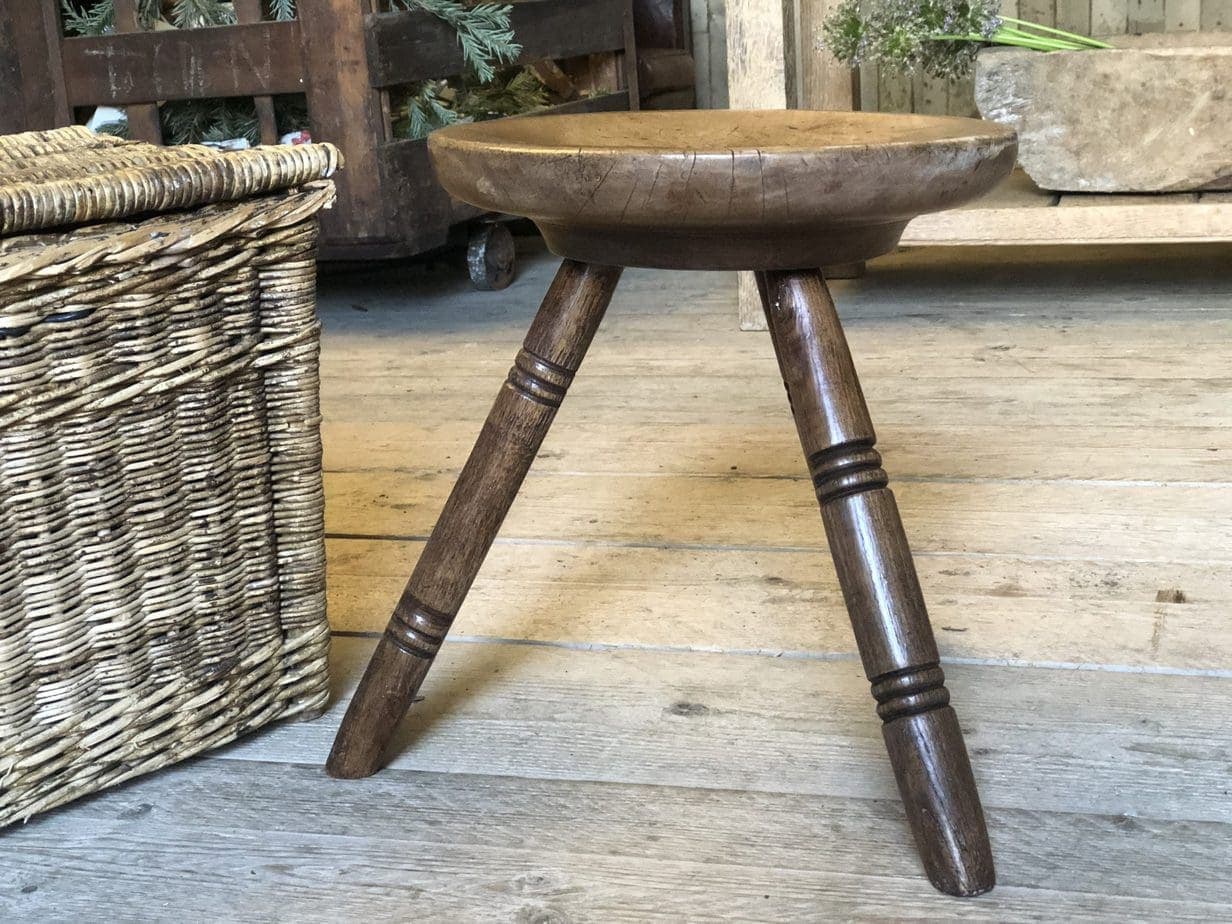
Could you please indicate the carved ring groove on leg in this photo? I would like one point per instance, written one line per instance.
(911, 691)
(538, 379)
(417, 628)
(849, 468)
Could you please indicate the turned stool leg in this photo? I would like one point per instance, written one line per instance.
(879, 583)
(511, 436)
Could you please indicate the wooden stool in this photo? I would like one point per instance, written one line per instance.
(778, 192)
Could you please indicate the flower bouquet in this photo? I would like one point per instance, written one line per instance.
(939, 37)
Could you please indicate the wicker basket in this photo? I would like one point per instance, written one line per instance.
(162, 583)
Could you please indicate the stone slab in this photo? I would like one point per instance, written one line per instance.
(1152, 115)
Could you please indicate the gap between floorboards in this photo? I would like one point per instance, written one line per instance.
(798, 655)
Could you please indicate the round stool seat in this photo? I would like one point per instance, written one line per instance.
(718, 189)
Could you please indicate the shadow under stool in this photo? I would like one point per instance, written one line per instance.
(777, 192)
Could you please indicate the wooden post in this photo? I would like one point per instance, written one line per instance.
(343, 108)
(773, 62)
(19, 117)
(250, 11)
(757, 78)
(12, 118)
(825, 82)
(143, 124)
(628, 61)
(31, 81)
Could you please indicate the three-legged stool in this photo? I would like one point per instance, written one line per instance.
(781, 193)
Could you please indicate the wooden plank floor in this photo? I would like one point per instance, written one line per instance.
(651, 707)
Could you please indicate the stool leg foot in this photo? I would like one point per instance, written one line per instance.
(511, 436)
(879, 583)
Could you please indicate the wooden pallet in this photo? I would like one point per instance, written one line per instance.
(343, 55)
(1019, 213)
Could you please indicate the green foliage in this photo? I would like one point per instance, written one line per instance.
(422, 110)
(234, 119)
(98, 17)
(846, 34)
(118, 129)
(199, 14)
(434, 104)
(487, 41)
(484, 32)
(939, 37)
(94, 20)
(193, 121)
(280, 9)
(903, 34)
(510, 92)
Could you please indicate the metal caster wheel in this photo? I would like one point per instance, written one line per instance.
(490, 257)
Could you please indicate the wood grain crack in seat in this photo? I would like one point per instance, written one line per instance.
(775, 192)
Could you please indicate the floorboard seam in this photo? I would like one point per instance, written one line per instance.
(891, 799)
(784, 549)
(798, 655)
(734, 476)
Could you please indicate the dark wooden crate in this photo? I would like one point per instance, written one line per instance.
(341, 55)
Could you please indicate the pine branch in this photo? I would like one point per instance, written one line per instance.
(193, 121)
(424, 111)
(197, 14)
(509, 93)
(149, 12)
(484, 32)
(95, 19)
(186, 121)
(118, 129)
(234, 119)
(282, 9)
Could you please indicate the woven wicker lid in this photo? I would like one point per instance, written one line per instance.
(71, 176)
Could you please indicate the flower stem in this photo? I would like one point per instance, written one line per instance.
(1060, 44)
(1001, 37)
(1071, 36)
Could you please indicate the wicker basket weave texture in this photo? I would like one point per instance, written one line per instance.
(162, 584)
